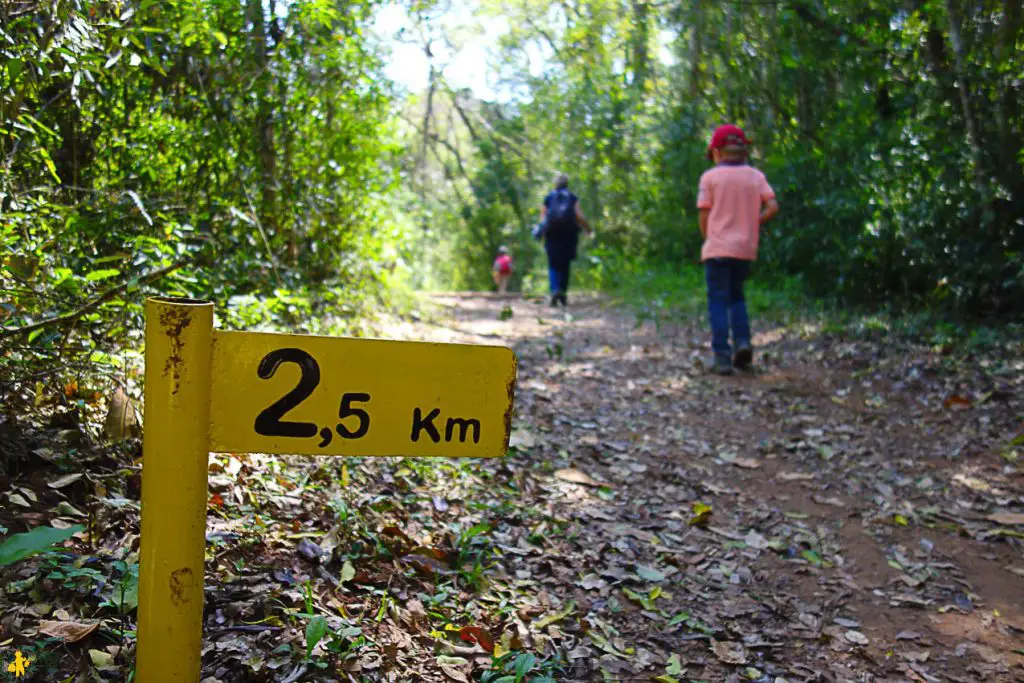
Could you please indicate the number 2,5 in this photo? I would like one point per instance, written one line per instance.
(269, 422)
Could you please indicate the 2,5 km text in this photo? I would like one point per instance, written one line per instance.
(354, 420)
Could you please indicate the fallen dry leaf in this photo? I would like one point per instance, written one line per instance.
(747, 463)
(101, 659)
(794, 476)
(68, 631)
(575, 476)
(454, 668)
(755, 540)
(592, 582)
(522, 438)
(729, 652)
(475, 634)
(66, 480)
(856, 637)
(1006, 518)
(957, 402)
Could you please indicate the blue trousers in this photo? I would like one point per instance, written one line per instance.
(726, 305)
(558, 278)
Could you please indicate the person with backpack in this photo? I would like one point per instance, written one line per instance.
(561, 222)
(502, 270)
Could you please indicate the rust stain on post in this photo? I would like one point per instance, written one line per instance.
(173, 322)
(510, 387)
(180, 583)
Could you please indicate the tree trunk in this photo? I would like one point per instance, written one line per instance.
(264, 124)
(696, 47)
(967, 105)
(640, 56)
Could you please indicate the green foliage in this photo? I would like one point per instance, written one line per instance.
(316, 629)
(472, 549)
(189, 148)
(21, 546)
(667, 293)
(890, 131)
(522, 667)
(126, 590)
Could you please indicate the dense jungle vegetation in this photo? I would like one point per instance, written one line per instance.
(254, 149)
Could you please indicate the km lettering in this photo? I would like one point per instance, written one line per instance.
(425, 424)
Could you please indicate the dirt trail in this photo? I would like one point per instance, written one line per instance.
(851, 511)
(849, 484)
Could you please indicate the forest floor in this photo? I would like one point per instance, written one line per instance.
(851, 510)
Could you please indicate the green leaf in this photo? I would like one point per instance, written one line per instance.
(316, 629)
(41, 126)
(523, 665)
(675, 667)
(812, 557)
(126, 593)
(701, 513)
(649, 573)
(474, 531)
(995, 533)
(555, 616)
(679, 618)
(221, 38)
(50, 166)
(643, 600)
(102, 274)
(14, 68)
(348, 572)
(20, 546)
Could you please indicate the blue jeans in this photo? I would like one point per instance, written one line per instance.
(726, 305)
(558, 278)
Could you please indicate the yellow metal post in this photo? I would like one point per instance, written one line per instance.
(176, 438)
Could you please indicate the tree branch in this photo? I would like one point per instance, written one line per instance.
(94, 304)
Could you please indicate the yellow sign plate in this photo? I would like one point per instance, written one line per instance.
(307, 395)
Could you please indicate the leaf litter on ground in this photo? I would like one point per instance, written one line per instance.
(660, 558)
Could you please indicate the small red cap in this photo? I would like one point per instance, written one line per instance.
(727, 135)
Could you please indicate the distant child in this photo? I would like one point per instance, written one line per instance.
(502, 269)
(735, 200)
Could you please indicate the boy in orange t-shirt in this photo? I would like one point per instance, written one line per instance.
(735, 200)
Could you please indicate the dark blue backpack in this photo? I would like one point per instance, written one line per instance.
(561, 217)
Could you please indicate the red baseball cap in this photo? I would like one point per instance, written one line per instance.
(727, 135)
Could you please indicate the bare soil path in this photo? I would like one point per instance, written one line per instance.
(865, 504)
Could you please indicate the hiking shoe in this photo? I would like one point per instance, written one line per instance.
(722, 366)
(554, 301)
(744, 357)
(564, 298)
